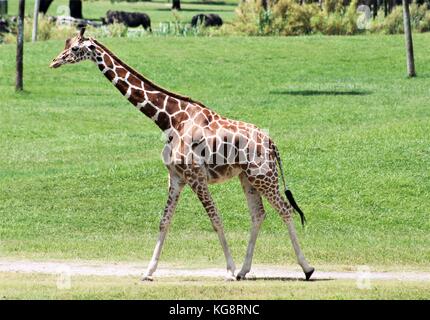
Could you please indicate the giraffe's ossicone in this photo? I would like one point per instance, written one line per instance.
(201, 148)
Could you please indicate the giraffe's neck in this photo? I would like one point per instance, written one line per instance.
(158, 104)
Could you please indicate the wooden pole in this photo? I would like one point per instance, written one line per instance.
(35, 20)
(20, 47)
(410, 63)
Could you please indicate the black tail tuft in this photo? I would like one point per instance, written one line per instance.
(293, 203)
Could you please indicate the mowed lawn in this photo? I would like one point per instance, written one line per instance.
(25, 286)
(81, 175)
(158, 10)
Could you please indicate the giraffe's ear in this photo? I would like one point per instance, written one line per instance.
(81, 32)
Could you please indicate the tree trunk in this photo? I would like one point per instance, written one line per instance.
(76, 9)
(20, 47)
(375, 8)
(410, 63)
(176, 4)
(35, 20)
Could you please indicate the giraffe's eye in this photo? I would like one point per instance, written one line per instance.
(74, 49)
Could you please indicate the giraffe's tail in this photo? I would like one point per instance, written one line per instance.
(293, 203)
(288, 192)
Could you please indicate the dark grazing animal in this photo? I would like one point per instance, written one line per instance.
(130, 19)
(208, 20)
(76, 9)
(4, 26)
(44, 6)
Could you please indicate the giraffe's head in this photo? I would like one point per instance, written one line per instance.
(77, 49)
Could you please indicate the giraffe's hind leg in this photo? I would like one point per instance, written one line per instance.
(256, 209)
(198, 184)
(270, 190)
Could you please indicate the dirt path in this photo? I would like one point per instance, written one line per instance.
(135, 270)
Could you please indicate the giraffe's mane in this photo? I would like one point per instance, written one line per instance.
(141, 77)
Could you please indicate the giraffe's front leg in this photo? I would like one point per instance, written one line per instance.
(200, 187)
(175, 187)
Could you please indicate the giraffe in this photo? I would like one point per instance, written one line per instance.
(201, 148)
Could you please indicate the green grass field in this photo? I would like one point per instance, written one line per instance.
(25, 286)
(81, 175)
(158, 10)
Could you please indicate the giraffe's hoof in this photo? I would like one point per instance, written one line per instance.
(240, 276)
(245, 276)
(147, 278)
(230, 277)
(309, 274)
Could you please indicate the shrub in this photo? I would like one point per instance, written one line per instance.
(420, 17)
(424, 24)
(288, 17)
(295, 19)
(333, 6)
(248, 18)
(47, 30)
(393, 23)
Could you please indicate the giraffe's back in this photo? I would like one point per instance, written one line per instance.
(222, 148)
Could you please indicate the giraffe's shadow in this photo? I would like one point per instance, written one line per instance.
(291, 279)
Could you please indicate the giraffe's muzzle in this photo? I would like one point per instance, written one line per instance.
(55, 64)
(58, 61)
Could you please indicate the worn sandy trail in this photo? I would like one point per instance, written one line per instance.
(135, 270)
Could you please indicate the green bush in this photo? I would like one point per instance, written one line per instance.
(47, 30)
(248, 20)
(294, 19)
(333, 6)
(424, 24)
(420, 17)
(393, 23)
(336, 19)
(288, 17)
